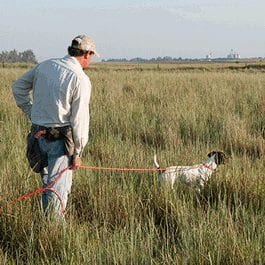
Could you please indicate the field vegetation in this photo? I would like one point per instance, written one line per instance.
(178, 111)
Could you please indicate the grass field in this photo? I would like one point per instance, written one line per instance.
(179, 111)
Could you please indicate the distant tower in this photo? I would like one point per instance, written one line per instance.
(233, 55)
(209, 57)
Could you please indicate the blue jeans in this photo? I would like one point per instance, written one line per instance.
(57, 161)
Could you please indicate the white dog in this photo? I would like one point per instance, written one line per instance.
(196, 175)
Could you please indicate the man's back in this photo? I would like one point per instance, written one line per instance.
(54, 85)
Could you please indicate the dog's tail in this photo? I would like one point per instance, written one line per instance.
(156, 163)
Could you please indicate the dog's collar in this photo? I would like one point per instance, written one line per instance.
(207, 166)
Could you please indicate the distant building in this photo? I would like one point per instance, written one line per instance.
(209, 57)
(233, 55)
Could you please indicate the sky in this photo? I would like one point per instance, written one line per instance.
(140, 28)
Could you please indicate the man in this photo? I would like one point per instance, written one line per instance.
(59, 112)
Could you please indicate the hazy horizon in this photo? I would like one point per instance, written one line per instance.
(146, 29)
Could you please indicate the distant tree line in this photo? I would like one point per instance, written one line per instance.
(138, 59)
(18, 57)
(167, 59)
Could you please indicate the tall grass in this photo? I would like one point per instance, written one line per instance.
(126, 217)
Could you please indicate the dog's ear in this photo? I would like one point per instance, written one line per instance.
(220, 158)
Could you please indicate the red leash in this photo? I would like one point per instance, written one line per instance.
(40, 190)
(122, 169)
(49, 187)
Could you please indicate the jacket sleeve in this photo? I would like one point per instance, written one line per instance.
(80, 114)
(21, 90)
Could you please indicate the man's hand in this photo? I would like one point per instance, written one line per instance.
(77, 162)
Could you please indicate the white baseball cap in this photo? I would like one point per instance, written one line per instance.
(84, 43)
